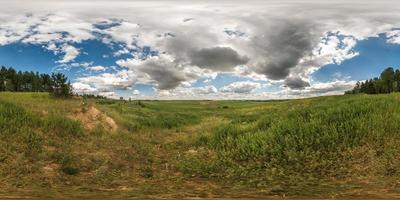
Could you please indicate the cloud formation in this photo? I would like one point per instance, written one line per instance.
(160, 70)
(106, 82)
(296, 83)
(217, 58)
(70, 54)
(283, 48)
(241, 87)
(274, 41)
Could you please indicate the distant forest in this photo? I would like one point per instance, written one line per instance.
(29, 81)
(387, 82)
(58, 85)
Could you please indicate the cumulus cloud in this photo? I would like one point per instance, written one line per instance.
(97, 68)
(70, 54)
(217, 58)
(278, 41)
(83, 88)
(190, 91)
(241, 87)
(283, 48)
(296, 83)
(106, 82)
(328, 88)
(136, 92)
(110, 95)
(125, 32)
(167, 77)
(393, 36)
(210, 89)
(158, 69)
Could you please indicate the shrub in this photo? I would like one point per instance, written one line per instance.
(70, 170)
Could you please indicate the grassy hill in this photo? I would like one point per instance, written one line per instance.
(319, 147)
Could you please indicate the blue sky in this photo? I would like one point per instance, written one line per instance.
(201, 49)
(376, 54)
(27, 57)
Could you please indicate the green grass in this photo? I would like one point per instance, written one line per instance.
(325, 146)
(314, 140)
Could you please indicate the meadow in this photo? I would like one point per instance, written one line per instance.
(324, 147)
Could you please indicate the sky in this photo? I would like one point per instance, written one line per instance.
(202, 49)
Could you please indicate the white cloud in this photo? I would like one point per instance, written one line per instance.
(121, 52)
(125, 32)
(52, 47)
(205, 92)
(70, 54)
(210, 89)
(317, 89)
(110, 94)
(279, 39)
(97, 68)
(41, 38)
(241, 87)
(336, 50)
(107, 81)
(82, 88)
(393, 36)
(136, 92)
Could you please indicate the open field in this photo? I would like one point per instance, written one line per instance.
(340, 146)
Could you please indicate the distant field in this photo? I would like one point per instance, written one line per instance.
(339, 146)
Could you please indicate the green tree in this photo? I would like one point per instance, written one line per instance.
(60, 85)
(387, 78)
(397, 80)
(388, 81)
(3, 78)
(46, 83)
(370, 87)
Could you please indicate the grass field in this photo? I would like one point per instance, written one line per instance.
(339, 146)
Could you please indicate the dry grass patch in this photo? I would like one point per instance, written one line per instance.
(92, 117)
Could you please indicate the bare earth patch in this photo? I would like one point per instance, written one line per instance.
(51, 170)
(91, 117)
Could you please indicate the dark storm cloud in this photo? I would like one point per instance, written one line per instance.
(296, 83)
(217, 58)
(284, 45)
(166, 75)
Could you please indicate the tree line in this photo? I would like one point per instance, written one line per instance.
(387, 82)
(28, 81)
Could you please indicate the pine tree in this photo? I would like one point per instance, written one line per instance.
(397, 80)
(60, 86)
(29, 81)
(387, 78)
(388, 81)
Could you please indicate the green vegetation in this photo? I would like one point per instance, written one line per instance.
(388, 81)
(318, 147)
(13, 81)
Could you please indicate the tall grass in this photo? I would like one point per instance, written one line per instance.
(27, 138)
(310, 138)
(268, 145)
(148, 115)
(42, 146)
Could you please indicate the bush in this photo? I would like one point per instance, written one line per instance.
(70, 170)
